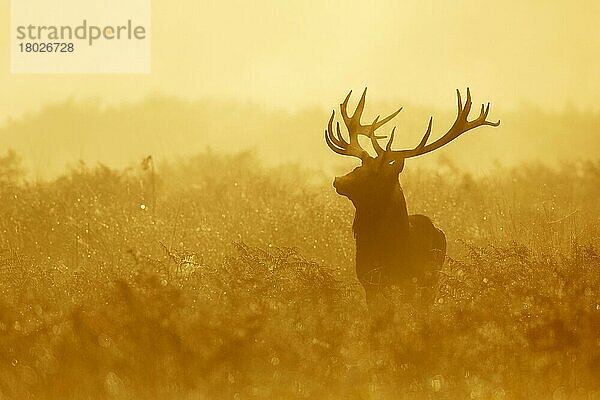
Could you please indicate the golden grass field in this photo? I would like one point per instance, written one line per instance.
(215, 277)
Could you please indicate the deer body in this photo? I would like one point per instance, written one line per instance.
(381, 236)
(392, 247)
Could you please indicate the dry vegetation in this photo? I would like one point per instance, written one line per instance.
(215, 278)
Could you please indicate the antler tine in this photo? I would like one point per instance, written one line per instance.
(468, 103)
(482, 119)
(360, 107)
(352, 147)
(356, 128)
(376, 124)
(421, 144)
(353, 122)
(374, 140)
(339, 134)
(337, 140)
(388, 146)
(333, 143)
(460, 126)
(339, 145)
(426, 136)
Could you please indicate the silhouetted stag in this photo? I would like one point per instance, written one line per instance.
(392, 247)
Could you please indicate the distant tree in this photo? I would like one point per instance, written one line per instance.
(11, 169)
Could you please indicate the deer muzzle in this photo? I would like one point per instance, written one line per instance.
(340, 184)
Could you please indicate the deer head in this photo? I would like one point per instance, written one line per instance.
(379, 174)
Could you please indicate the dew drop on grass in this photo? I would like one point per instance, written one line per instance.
(113, 384)
(436, 383)
(103, 340)
(499, 394)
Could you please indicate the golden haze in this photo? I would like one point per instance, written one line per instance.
(287, 58)
(176, 269)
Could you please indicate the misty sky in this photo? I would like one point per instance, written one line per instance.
(300, 53)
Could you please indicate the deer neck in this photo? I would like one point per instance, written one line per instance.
(381, 232)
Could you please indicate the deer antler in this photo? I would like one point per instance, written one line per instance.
(460, 126)
(338, 144)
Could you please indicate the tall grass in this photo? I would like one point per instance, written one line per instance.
(217, 278)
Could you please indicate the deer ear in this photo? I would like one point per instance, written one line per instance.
(398, 165)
